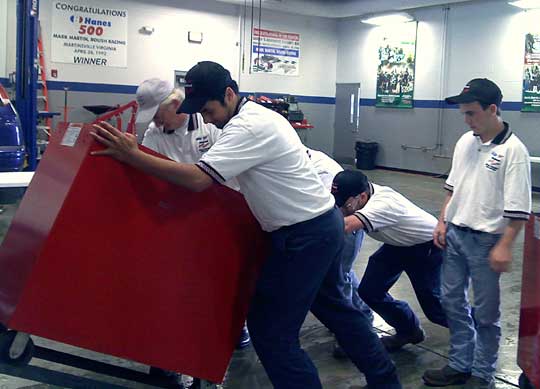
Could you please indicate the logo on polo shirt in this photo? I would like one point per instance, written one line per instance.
(203, 144)
(494, 162)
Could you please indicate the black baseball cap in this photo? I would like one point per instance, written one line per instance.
(205, 81)
(481, 90)
(348, 183)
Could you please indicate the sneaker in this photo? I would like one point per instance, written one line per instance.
(339, 353)
(397, 341)
(479, 383)
(245, 339)
(445, 377)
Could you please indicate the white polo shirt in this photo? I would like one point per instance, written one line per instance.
(325, 167)
(490, 182)
(261, 149)
(391, 218)
(186, 144)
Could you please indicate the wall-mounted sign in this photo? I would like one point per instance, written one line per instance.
(395, 71)
(89, 35)
(179, 78)
(531, 73)
(275, 52)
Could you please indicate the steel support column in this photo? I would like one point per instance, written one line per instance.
(27, 74)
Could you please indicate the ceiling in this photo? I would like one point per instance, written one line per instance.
(341, 8)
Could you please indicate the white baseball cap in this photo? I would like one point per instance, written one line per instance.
(150, 94)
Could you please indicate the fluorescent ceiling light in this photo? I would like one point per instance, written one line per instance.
(390, 18)
(526, 4)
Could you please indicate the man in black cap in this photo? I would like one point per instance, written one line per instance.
(488, 201)
(406, 231)
(261, 149)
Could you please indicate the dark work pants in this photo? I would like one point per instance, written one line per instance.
(304, 272)
(422, 264)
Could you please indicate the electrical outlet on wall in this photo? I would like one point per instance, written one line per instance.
(195, 37)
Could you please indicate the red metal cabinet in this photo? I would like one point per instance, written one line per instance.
(529, 324)
(105, 257)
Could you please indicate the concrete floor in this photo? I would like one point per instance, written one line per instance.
(245, 371)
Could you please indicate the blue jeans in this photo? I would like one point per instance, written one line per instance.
(351, 247)
(474, 343)
(304, 272)
(422, 263)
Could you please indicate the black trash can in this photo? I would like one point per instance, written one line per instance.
(366, 153)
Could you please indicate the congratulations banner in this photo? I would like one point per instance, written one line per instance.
(395, 72)
(89, 35)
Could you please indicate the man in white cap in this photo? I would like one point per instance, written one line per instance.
(181, 137)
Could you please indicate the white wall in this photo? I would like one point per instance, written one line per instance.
(317, 77)
(318, 54)
(358, 61)
(10, 28)
(484, 39)
(489, 46)
(357, 54)
(3, 38)
(167, 49)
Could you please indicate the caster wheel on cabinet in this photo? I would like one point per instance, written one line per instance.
(21, 354)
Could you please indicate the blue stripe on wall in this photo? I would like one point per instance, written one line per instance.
(506, 106)
(131, 89)
(367, 102)
(316, 99)
(511, 106)
(299, 98)
(90, 87)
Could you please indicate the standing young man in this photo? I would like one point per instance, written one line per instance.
(261, 149)
(406, 231)
(487, 203)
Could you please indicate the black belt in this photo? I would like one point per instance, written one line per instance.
(468, 229)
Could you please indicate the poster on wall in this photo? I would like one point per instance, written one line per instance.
(531, 74)
(395, 71)
(275, 52)
(89, 35)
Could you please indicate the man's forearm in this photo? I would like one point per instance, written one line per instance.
(443, 208)
(510, 232)
(352, 223)
(186, 175)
